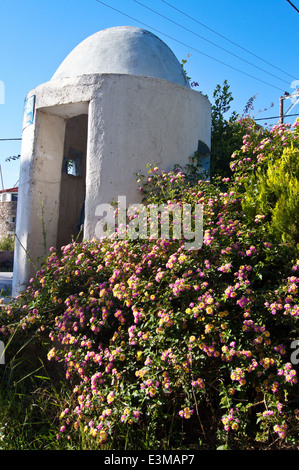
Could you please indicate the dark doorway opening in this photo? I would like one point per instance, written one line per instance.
(73, 181)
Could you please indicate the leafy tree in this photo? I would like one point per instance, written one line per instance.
(227, 133)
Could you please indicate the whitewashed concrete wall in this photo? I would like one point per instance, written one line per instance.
(39, 187)
(134, 121)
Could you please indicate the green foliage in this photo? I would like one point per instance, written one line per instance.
(227, 132)
(7, 243)
(29, 398)
(269, 172)
(183, 63)
(222, 99)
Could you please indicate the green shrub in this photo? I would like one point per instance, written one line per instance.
(269, 171)
(228, 131)
(7, 243)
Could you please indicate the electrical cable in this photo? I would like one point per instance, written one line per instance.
(229, 40)
(210, 42)
(293, 5)
(275, 117)
(190, 47)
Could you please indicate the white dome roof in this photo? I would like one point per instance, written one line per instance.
(123, 50)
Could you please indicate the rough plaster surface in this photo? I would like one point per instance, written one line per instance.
(8, 209)
(123, 50)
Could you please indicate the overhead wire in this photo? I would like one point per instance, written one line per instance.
(190, 47)
(196, 50)
(275, 117)
(210, 42)
(293, 6)
(227, 39)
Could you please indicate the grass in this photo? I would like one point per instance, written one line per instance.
(30, 400)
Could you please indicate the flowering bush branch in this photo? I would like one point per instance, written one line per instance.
(169, 348)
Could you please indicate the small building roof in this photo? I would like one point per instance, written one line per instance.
(123, 50)
(10, 190)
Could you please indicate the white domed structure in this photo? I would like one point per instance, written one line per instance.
(118, 101)
(123, 50)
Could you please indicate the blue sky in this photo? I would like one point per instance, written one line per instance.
(255, 49)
